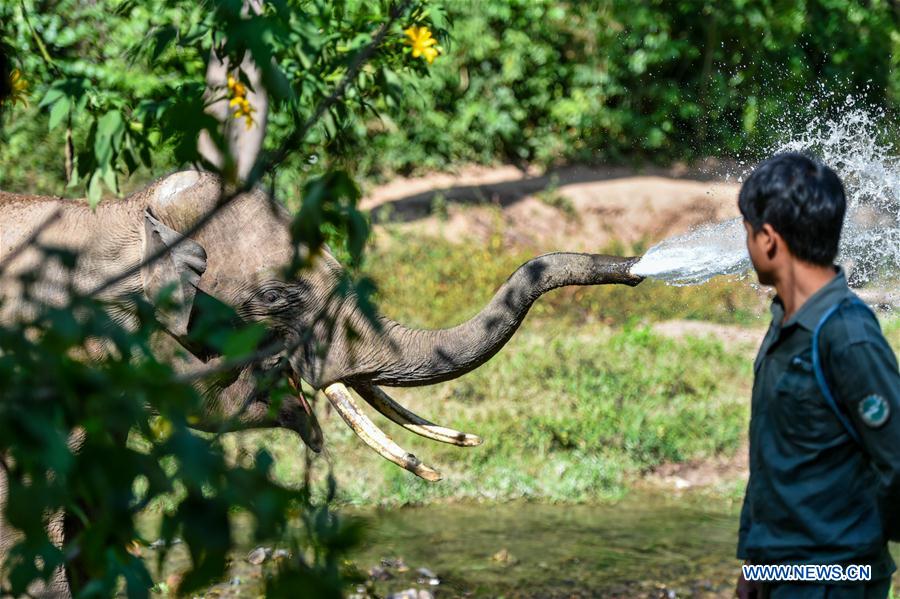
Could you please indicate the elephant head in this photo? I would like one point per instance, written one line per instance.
(238, 258)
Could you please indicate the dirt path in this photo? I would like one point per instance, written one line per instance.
(715, 473)
(577, 209)
(738, 338)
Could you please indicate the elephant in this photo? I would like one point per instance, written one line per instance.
(236, 258)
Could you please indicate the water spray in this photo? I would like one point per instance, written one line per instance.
(853, 144)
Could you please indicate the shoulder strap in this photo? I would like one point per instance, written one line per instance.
(820, 373)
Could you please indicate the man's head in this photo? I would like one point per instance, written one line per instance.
(793, 208)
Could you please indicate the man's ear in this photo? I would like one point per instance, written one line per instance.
(770, 239)
(181, 266)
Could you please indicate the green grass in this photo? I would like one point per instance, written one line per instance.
(891, 327)
(431, 282)
(567, 414)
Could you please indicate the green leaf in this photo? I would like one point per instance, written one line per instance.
(161, 40)
(53, 94)
(328, 123)
(243, 341)
(110, 178)
(94, 190)
(110, 128)
(207, 533)
(358, 234)
(58, 112)
(131, 162)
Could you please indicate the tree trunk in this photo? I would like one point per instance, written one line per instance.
(243, 144)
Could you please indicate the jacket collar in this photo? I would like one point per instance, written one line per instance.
(816, 305)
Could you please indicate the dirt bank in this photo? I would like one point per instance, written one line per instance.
(577, 209)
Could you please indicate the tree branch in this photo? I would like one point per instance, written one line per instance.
(284, 150)
(266, 166)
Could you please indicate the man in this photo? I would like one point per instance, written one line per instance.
(824, 482)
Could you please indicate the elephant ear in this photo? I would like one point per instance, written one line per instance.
(181, 266)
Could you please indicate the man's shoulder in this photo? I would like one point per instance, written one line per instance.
(852, 323)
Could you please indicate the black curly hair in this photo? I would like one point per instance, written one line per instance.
(802, 199)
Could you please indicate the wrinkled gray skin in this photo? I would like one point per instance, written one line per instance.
(237, 259)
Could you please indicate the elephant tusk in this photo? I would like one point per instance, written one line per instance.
(381, 401)
(311, 433)
(374, 437)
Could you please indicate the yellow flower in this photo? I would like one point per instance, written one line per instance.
(18, 88)
(244, 110)
(237, 92)
(422, 43)
(134, 548)
(236, 88)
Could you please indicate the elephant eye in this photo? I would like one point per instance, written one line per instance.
(271, 296)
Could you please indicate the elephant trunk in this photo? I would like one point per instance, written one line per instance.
(404, 357)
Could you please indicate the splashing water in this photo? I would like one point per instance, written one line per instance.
(697, 256)
(870, 243)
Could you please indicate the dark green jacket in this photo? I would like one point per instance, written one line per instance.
(814, 494)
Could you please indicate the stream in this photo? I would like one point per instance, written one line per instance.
(640, 546)
(645, 545)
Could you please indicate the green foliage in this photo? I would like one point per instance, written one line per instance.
(613, 80)
(82, 62)
(523, 81)
(67, 416)
(127, 79)
(119, 86)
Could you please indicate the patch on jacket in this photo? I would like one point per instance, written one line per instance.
(874, 411)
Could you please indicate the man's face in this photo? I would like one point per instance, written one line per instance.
(761, 247)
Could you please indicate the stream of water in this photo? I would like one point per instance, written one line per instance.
(643, 546)
(698, 255)
(852, 143)
(647, 545)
